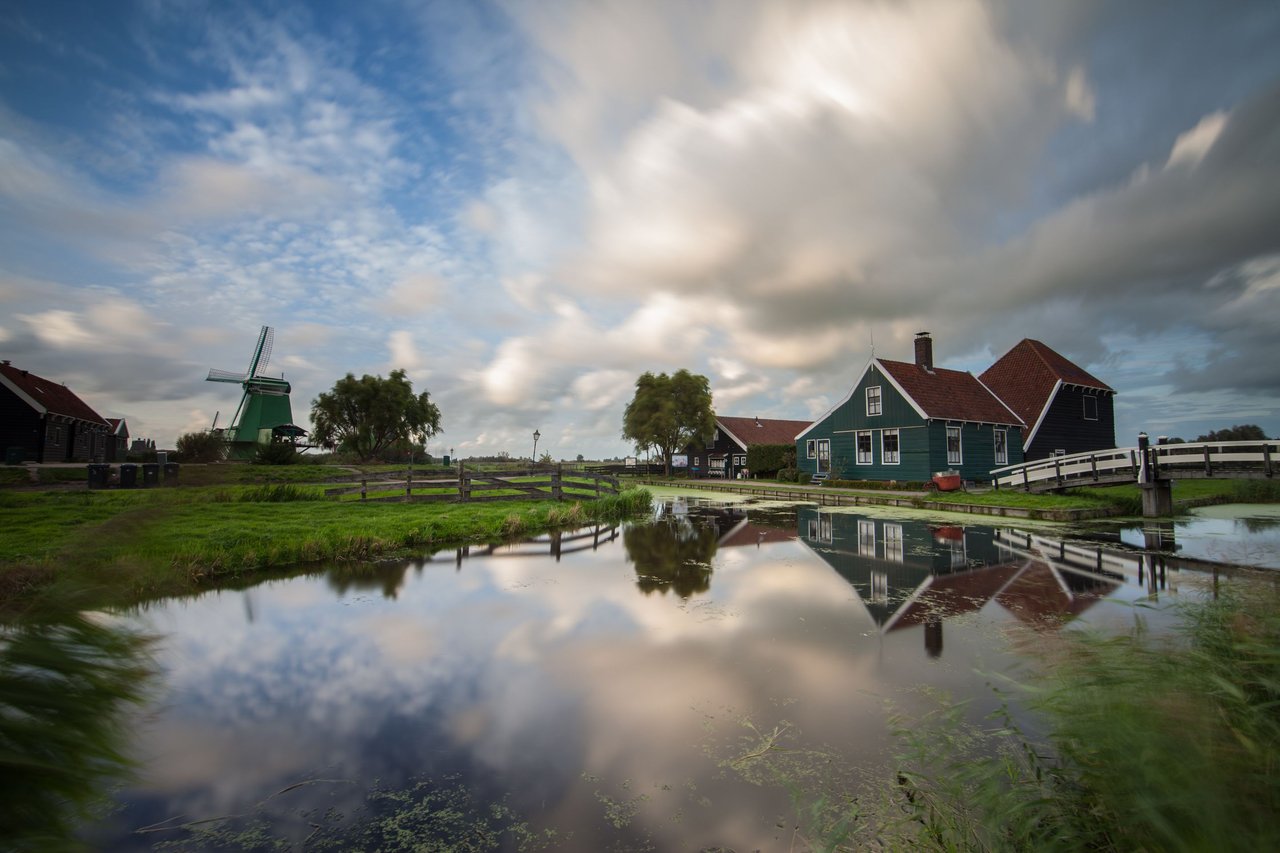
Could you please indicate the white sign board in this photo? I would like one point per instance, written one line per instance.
(679, 460)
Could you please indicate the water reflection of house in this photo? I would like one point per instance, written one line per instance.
(910, 572)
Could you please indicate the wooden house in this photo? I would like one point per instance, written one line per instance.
(905, 421)
(724, 453)
(43, 421)
(1066, 409)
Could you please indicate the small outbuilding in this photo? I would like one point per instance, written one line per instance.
(724, 453)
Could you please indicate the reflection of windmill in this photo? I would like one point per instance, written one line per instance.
(264, 413)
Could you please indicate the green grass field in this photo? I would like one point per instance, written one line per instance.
(131, 545)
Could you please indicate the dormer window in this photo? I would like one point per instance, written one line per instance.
(873, 400)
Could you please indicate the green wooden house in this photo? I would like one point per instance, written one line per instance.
(907, 421)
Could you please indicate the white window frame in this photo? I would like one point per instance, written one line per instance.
(1000, 446)
(739, 460)
(958, 457)
(810, 449)
(885, 457)
(1089, 398)
(866, 537)
(869, 459)
(893, 544)
(879, 401)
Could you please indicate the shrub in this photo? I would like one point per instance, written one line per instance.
(275, 453)
(200, 447)
(765, 459)
(803, 477)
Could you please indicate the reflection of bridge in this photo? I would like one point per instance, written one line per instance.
(1146, 465)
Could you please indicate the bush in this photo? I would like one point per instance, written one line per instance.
(787, 475)
(200, 447)
(275, 453)
(803, 477)
(765, 459)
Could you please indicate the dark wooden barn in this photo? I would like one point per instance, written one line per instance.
(1066, 408)
(43, 421)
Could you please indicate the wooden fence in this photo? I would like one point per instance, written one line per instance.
(467, 487)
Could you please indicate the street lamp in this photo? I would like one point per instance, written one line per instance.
(536, 435)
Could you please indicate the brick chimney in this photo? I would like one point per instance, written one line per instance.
(924, 350)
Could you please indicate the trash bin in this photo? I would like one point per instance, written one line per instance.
(150, 474)
(128, 476)
(162, 458)
(444, 460)
(99, 475)
(171, 473)
(15, 455)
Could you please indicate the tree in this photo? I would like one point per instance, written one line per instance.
(370, 414)
(668, 412)
(1239, 432)
(200, 447)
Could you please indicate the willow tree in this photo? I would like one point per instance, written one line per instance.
(668, 412)
(369, 415)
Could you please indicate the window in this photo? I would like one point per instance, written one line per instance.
(873, 400)
(864, 447)
(825, 529)
(715, 434)
(889, 447)
(1002, 447)
(954, 456)
(739, 460)
(879, 588)
(893, 542)
(809, 451)
(697, 460)
(867, 538)
(1090, 408)
(824, 455)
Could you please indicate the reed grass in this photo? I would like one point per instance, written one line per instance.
(1152, 744)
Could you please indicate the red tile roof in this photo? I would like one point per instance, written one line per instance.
(1026, 375)
(749, 431)
(54, 398)
(951, 395)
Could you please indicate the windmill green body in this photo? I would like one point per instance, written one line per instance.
(264, 413)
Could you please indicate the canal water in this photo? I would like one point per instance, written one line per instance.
(708, 679)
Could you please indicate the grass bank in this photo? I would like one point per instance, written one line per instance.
(123, 546)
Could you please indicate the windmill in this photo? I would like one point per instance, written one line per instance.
(264, 413)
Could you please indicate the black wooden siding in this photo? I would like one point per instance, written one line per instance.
(1064, 426)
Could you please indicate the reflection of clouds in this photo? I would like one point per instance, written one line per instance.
(534, 669)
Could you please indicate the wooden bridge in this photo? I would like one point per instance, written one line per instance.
(1151, 466)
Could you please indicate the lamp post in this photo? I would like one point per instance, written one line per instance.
(536, 435)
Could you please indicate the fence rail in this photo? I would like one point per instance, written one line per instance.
(1199, 460)
(475, 488)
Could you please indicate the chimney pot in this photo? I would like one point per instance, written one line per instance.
(924, 350)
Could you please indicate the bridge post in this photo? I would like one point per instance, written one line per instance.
(1093, 463)
(1157, 493)
(1057, 470)
(1266, 458)
(1208, 466)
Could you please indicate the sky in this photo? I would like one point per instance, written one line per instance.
(527, 205)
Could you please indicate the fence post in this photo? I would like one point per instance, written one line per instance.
(1266, 458)
(463, 491)
(557, 483)
(364, 489)
(1093, 462)
(408, 483)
